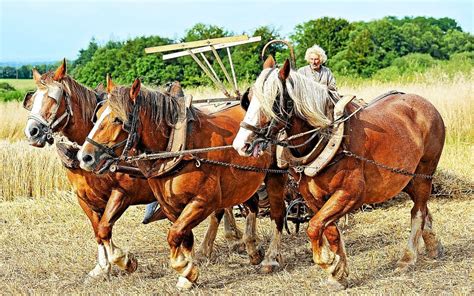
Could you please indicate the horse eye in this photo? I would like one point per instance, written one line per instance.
(117, 120)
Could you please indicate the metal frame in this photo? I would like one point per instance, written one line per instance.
(210, 45)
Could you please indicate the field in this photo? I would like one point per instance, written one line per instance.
(20, 84)
(47, 244)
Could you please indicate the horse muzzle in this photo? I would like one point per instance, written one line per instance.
(36, 134)
(92, 162)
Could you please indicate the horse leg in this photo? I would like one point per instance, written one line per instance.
(250, 235)
(205, 249)
(276, 194)
(326, 240)
(421, 224)
(232, 233)
(116, 206)
(103, 267)
(181, 240)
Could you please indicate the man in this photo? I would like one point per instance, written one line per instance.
(315, 56)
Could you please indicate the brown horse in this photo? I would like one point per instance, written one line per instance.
(62, 105)
(198, 188)
(399, 133)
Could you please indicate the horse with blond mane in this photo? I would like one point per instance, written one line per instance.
(393, 145)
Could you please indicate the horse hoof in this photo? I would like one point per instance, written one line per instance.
(90, 279)
(437, 252)
(258, 257)
(403, 267)
(269, 267)
(132, 264)
(184, 284)
(336, 285)
(238, 247)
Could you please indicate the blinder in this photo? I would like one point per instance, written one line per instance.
(245, 101)
(97, 107)
(27, 100)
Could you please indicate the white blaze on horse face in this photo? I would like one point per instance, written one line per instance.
(94, 130)
(38, 97)
(252, 118)
(99, 121)
(38, 101)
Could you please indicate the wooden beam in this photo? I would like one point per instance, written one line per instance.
(193, 44)
(208, 48)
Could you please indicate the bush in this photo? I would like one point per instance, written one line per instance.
(12, 95)
(6, 86)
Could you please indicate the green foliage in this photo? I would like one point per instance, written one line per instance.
(387, 48)
(329, 33)
(13, 89)
(5, 86)
(8, 96)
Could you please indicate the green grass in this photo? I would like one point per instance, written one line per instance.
(21, 87)
(21, 84)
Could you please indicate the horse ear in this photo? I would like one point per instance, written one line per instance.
(176, 90)
(110, 84)
(60, 71)
(285, 71)
(99, 88)
(269, 62)
(245, 101)
(135, 89)
(36, 75)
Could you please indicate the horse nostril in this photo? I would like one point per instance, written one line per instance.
(87, 158)
(34, 131)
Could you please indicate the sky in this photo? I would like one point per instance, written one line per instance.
(50, 30)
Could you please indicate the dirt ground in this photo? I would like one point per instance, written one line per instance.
(47, 247)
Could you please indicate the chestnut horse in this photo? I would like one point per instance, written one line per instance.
(199, 188)
(391, 146)
(62, 105)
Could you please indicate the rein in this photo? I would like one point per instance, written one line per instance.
(133, 136)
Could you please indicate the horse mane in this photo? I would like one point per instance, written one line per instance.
(86, 98)
(157, 106)
(310, 97)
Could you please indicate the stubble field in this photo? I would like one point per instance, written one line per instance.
(47, 245)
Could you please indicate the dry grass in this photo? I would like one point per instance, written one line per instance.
(27, 171)
(47, 244)
(12, 121)
(454, 99)
(47, 248)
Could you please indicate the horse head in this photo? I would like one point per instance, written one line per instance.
(49, 108)
(109, 135)
(260, 121)
(118, 127)
(59, 104)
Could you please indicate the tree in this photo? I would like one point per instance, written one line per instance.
(329, 33)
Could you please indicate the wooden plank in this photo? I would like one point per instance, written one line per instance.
(208, 48)
(193, 44)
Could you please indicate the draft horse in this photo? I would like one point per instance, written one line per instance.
(198, 188)
(62, 105)
(402, 131)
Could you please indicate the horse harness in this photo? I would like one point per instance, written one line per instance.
(56, 93)
(67, 150)
(326, 150)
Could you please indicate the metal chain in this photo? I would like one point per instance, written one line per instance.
(394, 170)
(237, 166)
(163, 155)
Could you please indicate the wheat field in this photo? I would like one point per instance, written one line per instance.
(47, 246)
